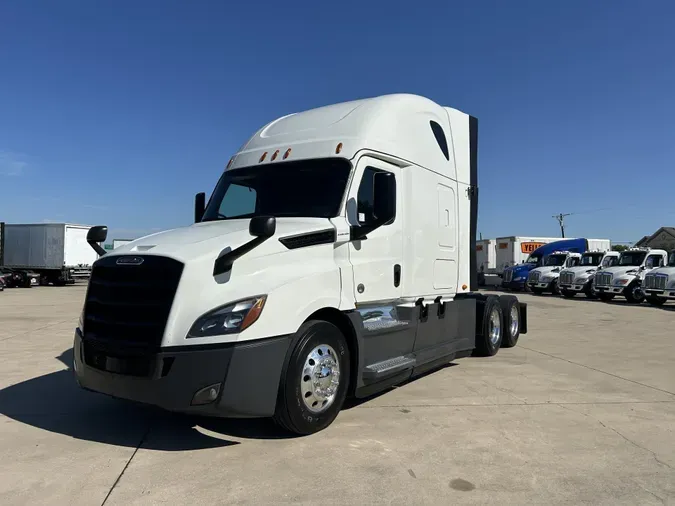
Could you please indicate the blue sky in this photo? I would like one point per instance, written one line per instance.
(118, 112)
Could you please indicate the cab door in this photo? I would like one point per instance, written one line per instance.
(377, 260)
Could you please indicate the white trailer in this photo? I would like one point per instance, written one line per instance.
(515, 250)
(486, 256)
(336, 257)
(57, 251)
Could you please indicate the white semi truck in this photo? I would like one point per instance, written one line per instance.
(545, 278)
(625, 278)
(659, 284)
(579, 279)
(336, 256)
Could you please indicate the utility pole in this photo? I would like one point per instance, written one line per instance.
(561, 219)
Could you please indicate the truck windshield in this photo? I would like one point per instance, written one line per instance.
(556, 260)
(610, 261)
(534, 259)
(671, 259)
(591, 259)
(302, 189)
(632, 258)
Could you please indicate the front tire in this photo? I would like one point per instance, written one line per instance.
(656, 301)
(568, 294)
(314, 379)
(536, 291)
(634, 294)
(606, 297)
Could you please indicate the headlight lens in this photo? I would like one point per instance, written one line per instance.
(229, 319)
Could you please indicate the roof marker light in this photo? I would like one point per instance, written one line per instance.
(262, 158)
(287, 153)
(274, 156)
(338, 149)
(229, 164)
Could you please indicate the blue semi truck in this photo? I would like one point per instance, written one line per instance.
(514, 277)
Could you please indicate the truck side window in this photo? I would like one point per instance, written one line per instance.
(654, 261)
(364, 197)
(238, 200)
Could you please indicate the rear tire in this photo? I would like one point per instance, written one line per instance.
(490, 326)
(567, 294)
(311, 394)
(511, 316)
(656, 301)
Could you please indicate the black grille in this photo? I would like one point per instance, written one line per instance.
(128, 305)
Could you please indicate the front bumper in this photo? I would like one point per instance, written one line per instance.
(614, 290)
(541, 285)
(665, 294)
(247, 373)
(514, 285)
(576, 287)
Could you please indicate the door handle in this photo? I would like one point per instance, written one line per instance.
(397, 275)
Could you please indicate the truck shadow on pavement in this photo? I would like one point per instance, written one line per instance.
(53, 402)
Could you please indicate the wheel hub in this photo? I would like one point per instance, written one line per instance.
(320, 378)
(515, 315)
(495, 327)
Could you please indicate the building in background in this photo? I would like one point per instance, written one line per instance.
(663, 238)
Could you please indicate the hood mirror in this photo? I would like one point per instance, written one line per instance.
(262, 226)
(95, 235)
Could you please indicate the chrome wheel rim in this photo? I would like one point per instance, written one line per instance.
(515, 315)
(495, 330)
(320, 378)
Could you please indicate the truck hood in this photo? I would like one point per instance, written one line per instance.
(521, 269)
(214, 237)
(619, 270)
(580, 269)
(269, 269)
(547, 270)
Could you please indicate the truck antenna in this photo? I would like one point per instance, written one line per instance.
(561, 219)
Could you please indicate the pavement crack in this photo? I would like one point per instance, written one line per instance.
(599, 370)
(34, 330)
(624, 437)
(138, 446)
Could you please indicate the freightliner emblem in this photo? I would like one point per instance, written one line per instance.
(129, 261)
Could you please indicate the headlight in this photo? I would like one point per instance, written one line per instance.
(581, 280)
(621, 281)
(519, 278)
(229, 319)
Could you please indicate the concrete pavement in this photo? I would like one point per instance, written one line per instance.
(582, 411)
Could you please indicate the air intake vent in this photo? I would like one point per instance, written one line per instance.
(310, 239)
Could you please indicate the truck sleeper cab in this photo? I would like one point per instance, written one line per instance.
(625, 278)
(335, 257)
(579, 279)
(659, 284)
(545, 278)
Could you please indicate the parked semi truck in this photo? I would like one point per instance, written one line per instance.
(545, 278)
(58, 252)
(625, 278)
(336, 256)
(515, 277)
(579, 278)
(659, 284)
(515, 250)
